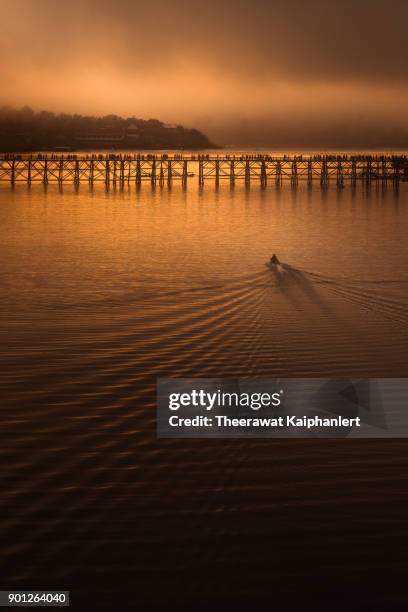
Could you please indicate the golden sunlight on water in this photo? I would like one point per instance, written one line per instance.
(103, 291)
(175, 269)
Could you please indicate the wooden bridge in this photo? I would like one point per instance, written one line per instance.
(164, 169)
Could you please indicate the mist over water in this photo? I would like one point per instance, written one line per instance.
(257, 73)
(104, 291)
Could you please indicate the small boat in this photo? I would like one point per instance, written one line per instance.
(275, 264)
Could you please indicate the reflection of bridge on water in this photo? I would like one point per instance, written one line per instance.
(164, 169)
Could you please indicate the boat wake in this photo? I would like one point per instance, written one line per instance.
(368, 294)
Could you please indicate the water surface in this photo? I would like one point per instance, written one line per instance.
(104, 291)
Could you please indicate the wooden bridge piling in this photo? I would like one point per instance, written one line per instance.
(353, 172)
(138, 176)
(247, 173)
(324, 178)
(384, 171)
(232, 173)
(107, 173)
(396, 174)
(278, 172)
(264, 179)
(339, 177)
(45, 172)
(200, 172)
(185, 173)
(309, 173)
(76, 175)
(294, 173)
(368, 172)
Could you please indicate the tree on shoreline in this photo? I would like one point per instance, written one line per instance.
(26, 130)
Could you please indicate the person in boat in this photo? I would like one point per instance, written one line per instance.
(274, 260)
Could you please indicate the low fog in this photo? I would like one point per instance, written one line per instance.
(247, 73)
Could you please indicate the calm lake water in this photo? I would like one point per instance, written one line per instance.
(104, 291)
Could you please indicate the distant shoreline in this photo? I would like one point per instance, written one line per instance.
(23, 130)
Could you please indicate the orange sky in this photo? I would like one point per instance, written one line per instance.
(253, 71)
